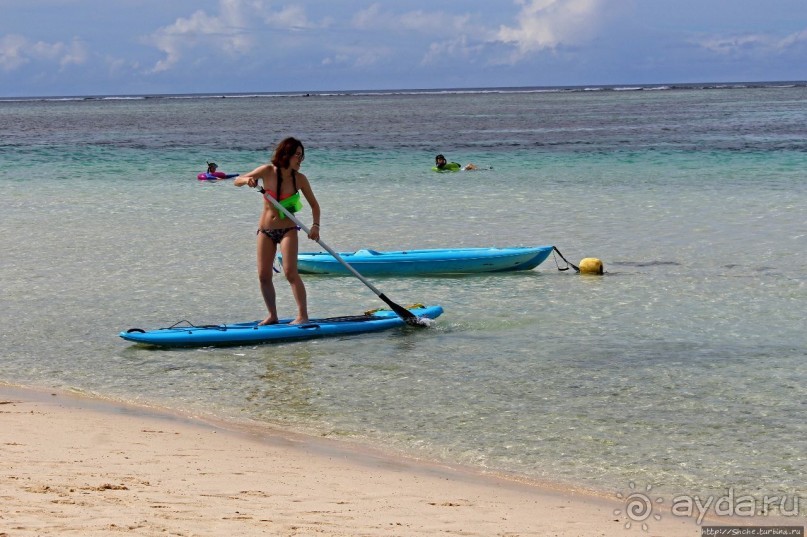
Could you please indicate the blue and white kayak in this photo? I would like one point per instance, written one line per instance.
(425, 262)
(251, 333)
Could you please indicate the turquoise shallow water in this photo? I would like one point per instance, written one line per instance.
(683, 367)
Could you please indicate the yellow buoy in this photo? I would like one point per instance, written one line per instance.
(591, 265)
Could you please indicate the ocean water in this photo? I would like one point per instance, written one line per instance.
(683, 367)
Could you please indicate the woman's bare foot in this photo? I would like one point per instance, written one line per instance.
(269, 320)
(299, 320)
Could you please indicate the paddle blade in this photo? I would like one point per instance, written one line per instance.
(409, 317)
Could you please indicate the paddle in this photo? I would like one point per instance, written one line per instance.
(403, 313)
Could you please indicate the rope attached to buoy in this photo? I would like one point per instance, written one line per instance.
(555, 250)
(589, 265)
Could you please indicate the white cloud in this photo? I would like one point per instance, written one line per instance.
(293, 17)
(730, 45)
(794, 39)
(453, 48)
(16, 51)
(546, 24)
(115, 65)
(367, 18)
(12, 52)
(449, 29)
(752, 43)
(232, 30)
(226, 31)
(373, 18)
(357, 56)
(76, 53)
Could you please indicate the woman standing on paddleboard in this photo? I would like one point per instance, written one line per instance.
(283, 182)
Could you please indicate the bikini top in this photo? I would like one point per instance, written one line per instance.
(291, 202)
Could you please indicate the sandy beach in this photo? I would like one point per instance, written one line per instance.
(79, 466)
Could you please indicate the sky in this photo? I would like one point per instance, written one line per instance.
(125, 47)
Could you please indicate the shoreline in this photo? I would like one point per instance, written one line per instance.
(86, 465)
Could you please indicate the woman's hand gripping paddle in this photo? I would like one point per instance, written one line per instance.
(403, 313)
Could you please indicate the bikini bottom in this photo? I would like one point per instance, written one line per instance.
(277, 234)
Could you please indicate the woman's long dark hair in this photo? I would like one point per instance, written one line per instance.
(285, 150)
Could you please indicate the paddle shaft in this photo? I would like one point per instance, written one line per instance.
(402, 312)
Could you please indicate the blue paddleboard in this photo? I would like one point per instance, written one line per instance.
(251, 333)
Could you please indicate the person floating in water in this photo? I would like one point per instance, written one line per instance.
(213, 175)
(441, 165)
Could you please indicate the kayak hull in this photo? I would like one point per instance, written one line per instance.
(425, 262)
(250, 333)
